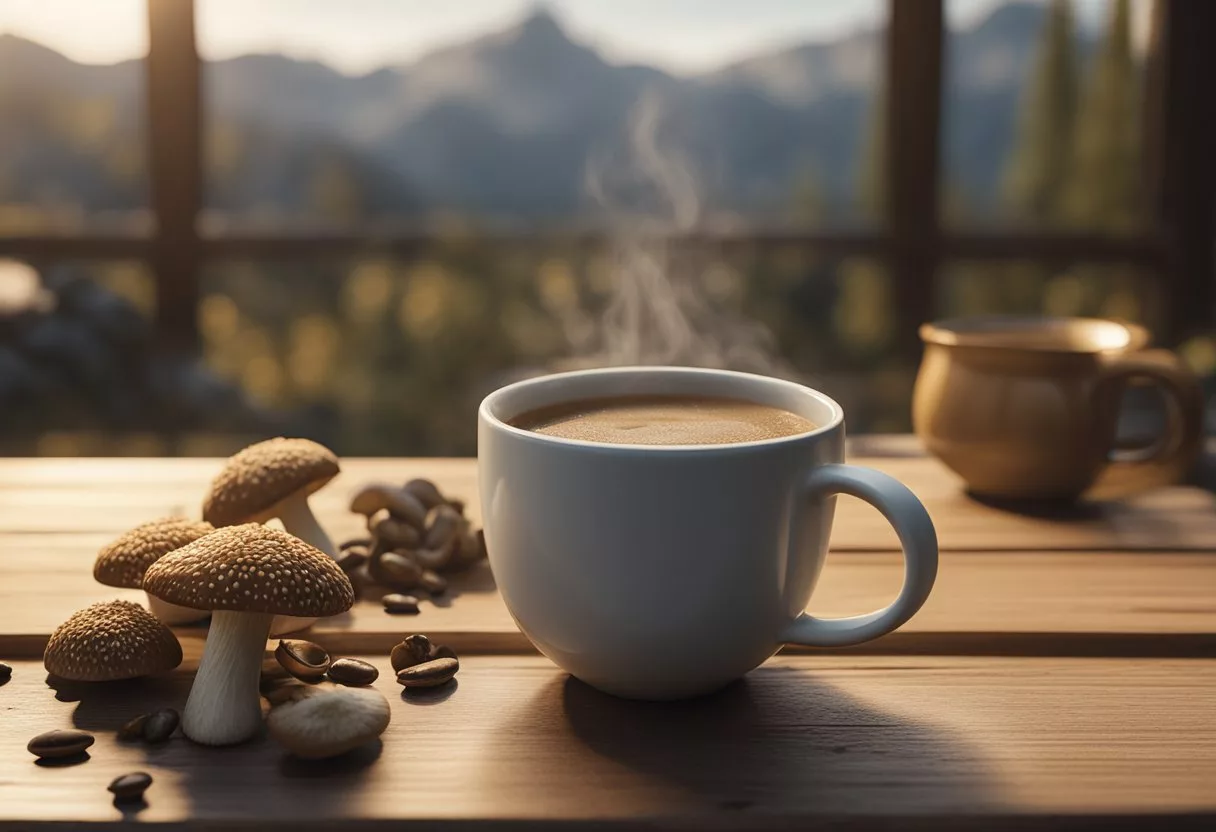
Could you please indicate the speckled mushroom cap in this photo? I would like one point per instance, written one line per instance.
(256, 479)
(111, 640)
(251, 568)
(123, 562)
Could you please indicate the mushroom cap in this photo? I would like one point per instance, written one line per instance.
(111, 640)
(122, 563)
(327, 721)
(251, 568)
(255, 480)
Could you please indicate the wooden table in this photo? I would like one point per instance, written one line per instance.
(1063, 675)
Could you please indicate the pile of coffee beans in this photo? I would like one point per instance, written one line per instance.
(415, 535)
(421, 664)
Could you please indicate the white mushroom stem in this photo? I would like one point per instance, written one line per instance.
(224, 707)
(298, 520)
(173, 614)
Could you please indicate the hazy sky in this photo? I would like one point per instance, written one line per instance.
(356, 36)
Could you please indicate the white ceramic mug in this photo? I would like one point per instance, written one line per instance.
(661, 572)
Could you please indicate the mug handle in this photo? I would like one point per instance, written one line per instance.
(1179, 445)
(916, 535)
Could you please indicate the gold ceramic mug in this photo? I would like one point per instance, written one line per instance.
(1027, 408)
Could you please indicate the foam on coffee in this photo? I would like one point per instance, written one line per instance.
(663, 420)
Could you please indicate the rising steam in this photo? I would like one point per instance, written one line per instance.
(662, 307)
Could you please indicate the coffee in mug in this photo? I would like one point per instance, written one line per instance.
(663, 420)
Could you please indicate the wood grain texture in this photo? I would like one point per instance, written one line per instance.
(804, 742)
(108, 496)
(987, 601)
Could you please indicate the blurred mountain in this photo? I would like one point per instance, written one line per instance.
(501, 125)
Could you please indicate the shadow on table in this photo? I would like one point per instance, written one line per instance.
(781, 741)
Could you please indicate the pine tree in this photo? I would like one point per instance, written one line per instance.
(1033, 186)
(871, 175)
(1104, 183)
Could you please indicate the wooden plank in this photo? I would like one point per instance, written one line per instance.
(175, 168)
(1020, 602)
(108, 496)
(807, 742)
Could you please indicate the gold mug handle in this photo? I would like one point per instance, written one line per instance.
(1167, 458)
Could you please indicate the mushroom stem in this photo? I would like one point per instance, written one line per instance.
(298, 520)
(173, 614)
(224, 707)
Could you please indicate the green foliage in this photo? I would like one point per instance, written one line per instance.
(1038, 166)
(1103, 190)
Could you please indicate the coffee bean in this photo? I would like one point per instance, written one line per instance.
(131, 787)
(426, 492)
(435, 559)
(428, 674)
(302, 659)
(133, 730)
(444, 525)
(160, 725)
(400, 503)
(397, 604)
(396, 570)
(394, 531)
(458, 506)
(56, 744)
(355, 542)
(351, 559)
(415, 649)
(6, 673)
(443, 652)
(433, 582)
(353, 672)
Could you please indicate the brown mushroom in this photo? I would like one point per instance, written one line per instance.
(246, 575)
(274, 479)
(122, 562)
(109, 641)
(325, 720)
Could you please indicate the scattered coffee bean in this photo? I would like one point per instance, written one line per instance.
(133, 730)
(353, 672)
(394, 531)
(378, 497)
(351, 559)
(443, 652)
(56, 744)
(396, 570)
(444, 525)
(433, 582)
(302, 659)
(457, 506)
(397, 604)
(428, 674)
(434, 559)
(355, 542)
(6, 673)
(160, 725)
(130, 787)
(426, 491)
(415, 649)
